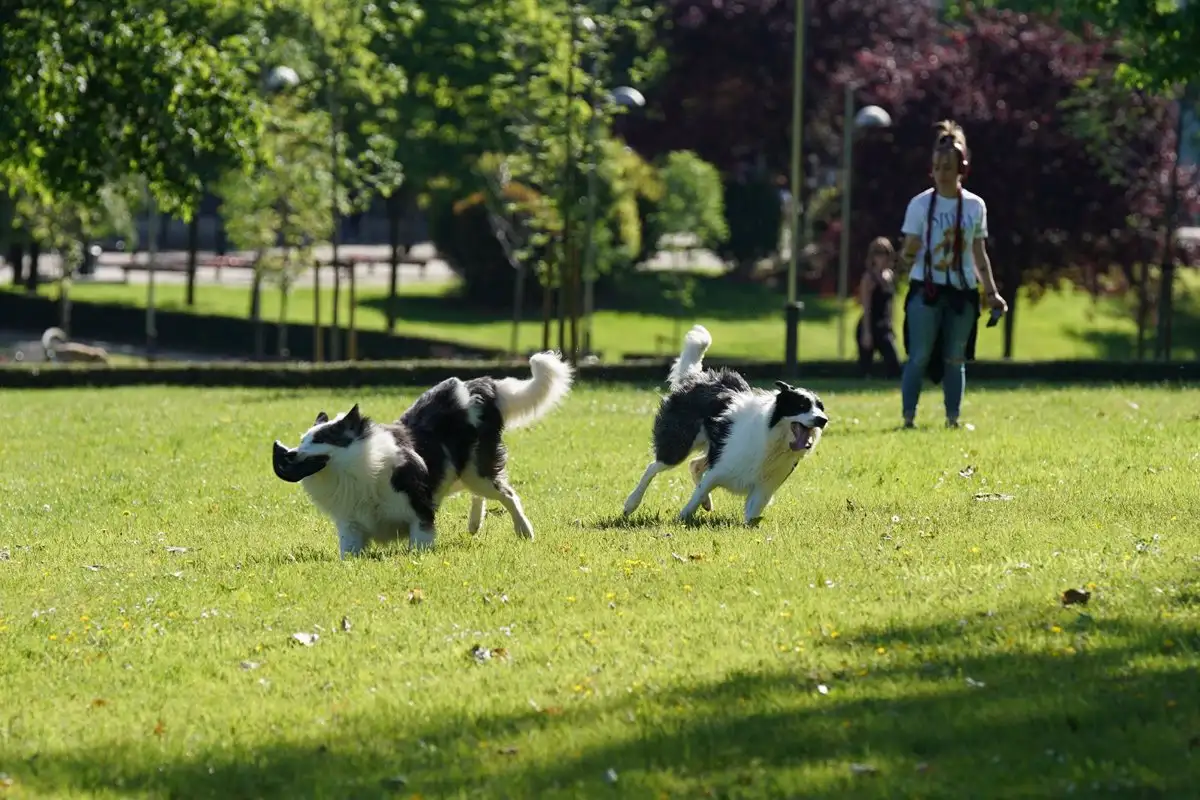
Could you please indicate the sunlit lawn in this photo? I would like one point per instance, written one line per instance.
(893, 628)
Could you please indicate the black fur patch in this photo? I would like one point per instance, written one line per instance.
(490, 454)
(791, 402)
(344, 432)
(441, 429)
(696, 406)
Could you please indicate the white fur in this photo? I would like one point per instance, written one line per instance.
(523, 401)
(695, 344)
(756, 459)
(354, 488)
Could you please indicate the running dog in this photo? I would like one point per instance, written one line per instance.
(751, 439)
(58, 347)
(378, 481)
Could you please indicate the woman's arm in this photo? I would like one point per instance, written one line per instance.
(908, 251)
(983, 265)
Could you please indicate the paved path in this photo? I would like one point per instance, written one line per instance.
(420, 264)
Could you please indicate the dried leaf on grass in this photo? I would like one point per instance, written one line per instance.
(985, 496)
(306, 639)
(966, 472)
(416, 596)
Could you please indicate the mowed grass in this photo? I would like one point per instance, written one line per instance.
(893, 628)
(746, 320)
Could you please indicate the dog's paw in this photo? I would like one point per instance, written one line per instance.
(754, 522)
(420, 541)
(524, 529)
(707, 503)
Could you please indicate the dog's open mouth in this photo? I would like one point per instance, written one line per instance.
(802, 437)
(291, 468)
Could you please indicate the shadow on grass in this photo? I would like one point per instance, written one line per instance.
(1185, 331)
(649, 293)
(960, 718)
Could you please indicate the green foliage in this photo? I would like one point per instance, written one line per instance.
(284, 201)
(755, 217)
(693, 201)
(1158, 37)
(93, 91)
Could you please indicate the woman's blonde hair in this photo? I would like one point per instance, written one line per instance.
(949, 135)
(880, 245)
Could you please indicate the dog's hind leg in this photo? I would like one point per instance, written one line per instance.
(697, 466)
(635, 497)
(476, 514)
(499, 490)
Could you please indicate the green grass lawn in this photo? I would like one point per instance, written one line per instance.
(892, 629)
(746, 320)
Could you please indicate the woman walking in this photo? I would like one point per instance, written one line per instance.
(876, 293)
(945, 248)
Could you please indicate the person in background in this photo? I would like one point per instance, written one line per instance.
(876, 293)
(945, 248)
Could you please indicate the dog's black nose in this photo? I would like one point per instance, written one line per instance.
(820, 422)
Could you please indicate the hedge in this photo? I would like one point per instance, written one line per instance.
(427, 373)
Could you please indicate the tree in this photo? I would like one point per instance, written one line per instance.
(1059, 204)
(93, 91)
(283, 202)
(692, 206)
(1157, 38)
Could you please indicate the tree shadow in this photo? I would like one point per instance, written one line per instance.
(961, 716)
(1117, 346)
(651, 293)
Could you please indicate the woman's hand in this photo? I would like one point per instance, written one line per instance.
(996, 301)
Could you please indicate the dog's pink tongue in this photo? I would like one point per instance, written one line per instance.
(800, 437)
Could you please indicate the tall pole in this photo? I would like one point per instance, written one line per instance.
(589, 286)
(335, 331)
(792, 311)
(847, 186)
(566, 262)
(1162, 345)
(151, 266)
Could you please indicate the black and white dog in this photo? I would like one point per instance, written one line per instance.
(751, 439)
(377, 481)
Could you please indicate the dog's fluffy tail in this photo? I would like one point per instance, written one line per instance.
(51, 336)
(527, 400)
(690, 361)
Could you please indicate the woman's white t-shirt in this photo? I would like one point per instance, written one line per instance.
(974, 226)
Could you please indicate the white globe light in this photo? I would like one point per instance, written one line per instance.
(628, 96)
(282, 77)
(872, 117)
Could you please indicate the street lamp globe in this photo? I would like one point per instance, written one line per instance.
(282, 77)
(872, 117)
(628, 97)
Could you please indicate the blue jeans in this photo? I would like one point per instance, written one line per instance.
(924, 322)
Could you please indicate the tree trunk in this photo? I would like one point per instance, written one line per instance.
(394, 216)
(192, 245)
(256, 308)
(1143, 309)
(16, 259)
(281, 348)
(31, 278)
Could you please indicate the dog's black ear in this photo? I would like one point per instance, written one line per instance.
(353, 418)
(783, 387)
(322, 418)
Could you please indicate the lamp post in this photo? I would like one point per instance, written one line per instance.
(868, 117)
(625, 97)
(792, 309)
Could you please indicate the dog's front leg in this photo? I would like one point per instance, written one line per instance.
(350, 539)
(477, 513)
(756, 503)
